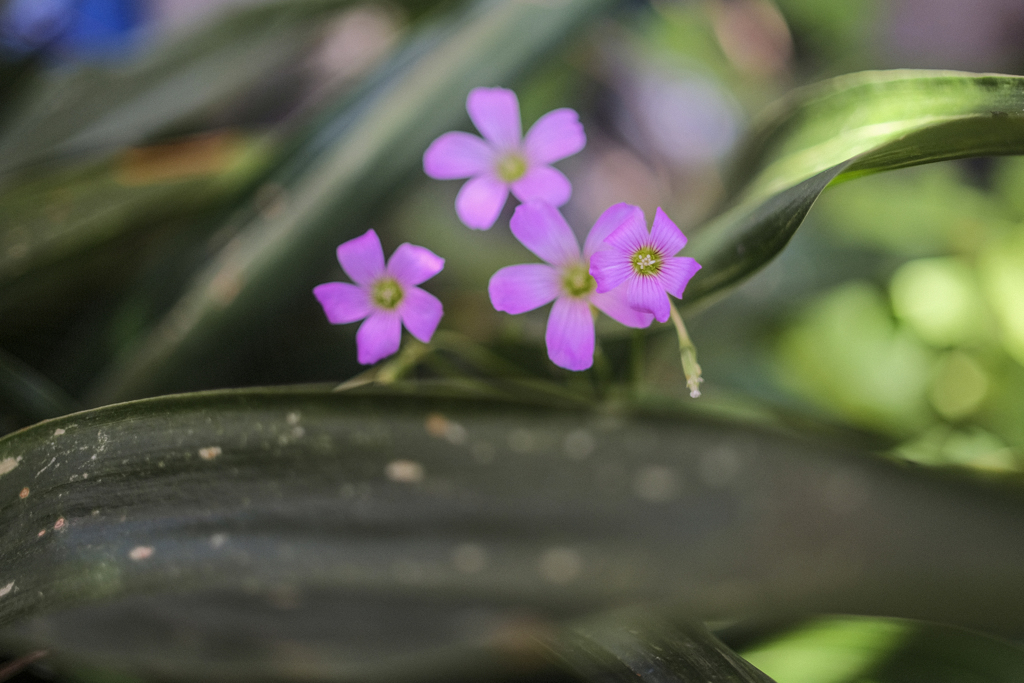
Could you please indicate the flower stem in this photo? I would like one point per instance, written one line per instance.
(687, 353)
(391, 370)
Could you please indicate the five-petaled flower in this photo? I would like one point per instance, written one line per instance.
(503, 160)
(386, 295)
(645, 262)
(566, 281)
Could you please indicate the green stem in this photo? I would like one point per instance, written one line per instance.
(392, 370)
(687, 353)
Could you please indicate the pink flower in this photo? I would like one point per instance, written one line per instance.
(646, 262)
(566, 281)
(503, 160)
(387, 296)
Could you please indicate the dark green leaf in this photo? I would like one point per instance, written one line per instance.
(650, 650)
(288, 532)
(853, 125)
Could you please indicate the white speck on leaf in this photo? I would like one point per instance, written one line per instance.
(210, 452)
(6, 589)
(141, 552)
(45, 467)
(58, 431)
(8, 464)
(404, 471)
(439, 426)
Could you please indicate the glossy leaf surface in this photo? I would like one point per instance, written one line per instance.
(355, 536)
(849, 126)
(651, 650)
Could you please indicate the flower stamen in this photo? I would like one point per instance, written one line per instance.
(511, 167)
(387, 293)
(646, 261)
(577, 281)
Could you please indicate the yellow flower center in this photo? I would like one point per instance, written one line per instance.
(646, 261)
(577, 281)
(387, 293)
(511, 167)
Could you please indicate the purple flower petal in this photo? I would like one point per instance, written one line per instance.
(610, 268)
(362, 258)
(522, 288)
(413, 265)
(457, 155)
(612, 218)
(343, 302)
(543, 184)
(554, 136)
(646, 294)
(631, 235)
(420, 312)
(543, 230)
(613, 304)
(676, 273)
(570, 334)
(378, 337)
(495, 113)
(480, 201)
(666, 237)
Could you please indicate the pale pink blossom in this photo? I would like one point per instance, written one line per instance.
(385, 295)
(503, 160)
(565, 279)
(645, 263)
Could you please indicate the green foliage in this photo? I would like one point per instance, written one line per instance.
(465, 510)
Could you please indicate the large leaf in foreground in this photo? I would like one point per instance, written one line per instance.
(849, 126)
(628, 649)
(310, 534)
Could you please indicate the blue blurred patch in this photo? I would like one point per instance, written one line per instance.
(69, 29)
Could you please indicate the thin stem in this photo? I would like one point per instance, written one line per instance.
(687, 353)
(391, 370)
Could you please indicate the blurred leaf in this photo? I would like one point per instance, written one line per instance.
(60, 213)
(925, 211)
(98, 108)
(650, 650)
(840, 129)
(933, 653)
(863, 650)
(1002, 273)
(327, 192)
(29, 393)
(833, 650)
(302, 534)
(941, 300)
(847, 353)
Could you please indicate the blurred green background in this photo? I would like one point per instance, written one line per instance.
(170, 184)
(895, 311)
